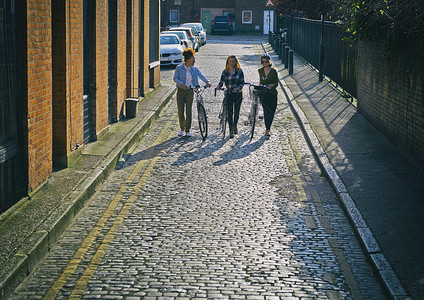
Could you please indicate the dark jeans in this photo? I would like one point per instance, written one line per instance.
(233, 106)
(269, 104)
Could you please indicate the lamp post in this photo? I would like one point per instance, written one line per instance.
(192, 12)
(163, 14)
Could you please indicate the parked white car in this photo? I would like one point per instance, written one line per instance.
(200, 29)
(171, 50)
(183, 37)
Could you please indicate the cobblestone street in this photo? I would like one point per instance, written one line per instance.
(182, 218)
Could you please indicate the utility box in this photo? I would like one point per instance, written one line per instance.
(131, 106)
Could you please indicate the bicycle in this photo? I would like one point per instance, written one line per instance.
(201, 112)
(255, 92)
(223, 113)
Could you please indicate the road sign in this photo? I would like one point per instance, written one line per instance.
(269, 3)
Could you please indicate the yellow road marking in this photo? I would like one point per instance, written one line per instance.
(93, 234)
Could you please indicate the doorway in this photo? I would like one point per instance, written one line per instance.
(206, 20)
(268, 21)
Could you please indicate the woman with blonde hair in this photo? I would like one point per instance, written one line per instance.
(186, 77)
(233, 78)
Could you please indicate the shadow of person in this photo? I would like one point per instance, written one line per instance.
(242, 148)
(205, 149)
(149, 153)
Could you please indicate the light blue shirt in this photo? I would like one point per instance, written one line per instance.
(180, 76)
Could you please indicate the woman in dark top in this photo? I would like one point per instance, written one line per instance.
(268, 76)
(233, 78)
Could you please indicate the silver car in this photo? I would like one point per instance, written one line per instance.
(190, 32)
(200, 29)
(183, 37)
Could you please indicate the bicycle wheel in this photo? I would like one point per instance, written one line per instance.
(223, 121)
(253, 120)
(203, 121)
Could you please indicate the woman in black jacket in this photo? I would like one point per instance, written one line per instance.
(268, 76)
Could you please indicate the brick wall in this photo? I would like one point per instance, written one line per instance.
(122, 56)
(39, 80)
(132, 47)
(67, 78)
(391, 95)
(52, 60)
(155, 77)
(257, 8)
(99, 73)
(216, 7)
(144, 64)
(75, 72)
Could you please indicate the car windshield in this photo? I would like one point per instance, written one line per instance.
(168, 40)
(182, 29)
(181, 35)
(198, 26)
(221, 19)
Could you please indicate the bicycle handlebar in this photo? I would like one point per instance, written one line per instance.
(198, 87)
(260, 86)
(225, 90)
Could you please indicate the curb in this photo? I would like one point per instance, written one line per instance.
(39, 243)
(369, 243)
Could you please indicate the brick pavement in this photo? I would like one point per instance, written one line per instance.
(221, 219)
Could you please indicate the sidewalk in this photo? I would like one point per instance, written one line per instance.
(380, 189)
(30, 228)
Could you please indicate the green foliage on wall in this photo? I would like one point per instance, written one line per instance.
(392, 22)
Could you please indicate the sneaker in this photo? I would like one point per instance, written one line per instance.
(188, 134)
(180, 133)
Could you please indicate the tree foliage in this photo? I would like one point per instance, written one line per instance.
(394, 22)
(311, 9)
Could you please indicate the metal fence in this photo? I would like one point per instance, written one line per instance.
(340, 57)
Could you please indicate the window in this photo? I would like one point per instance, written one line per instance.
(246, 16)
(174, 16)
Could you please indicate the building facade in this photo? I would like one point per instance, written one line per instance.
(249, 16)
(66, 68)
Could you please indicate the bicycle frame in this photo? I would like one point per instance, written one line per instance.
(201, 112)
(254, 95)
(223, 114)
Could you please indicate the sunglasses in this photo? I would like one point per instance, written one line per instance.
(264, 61)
